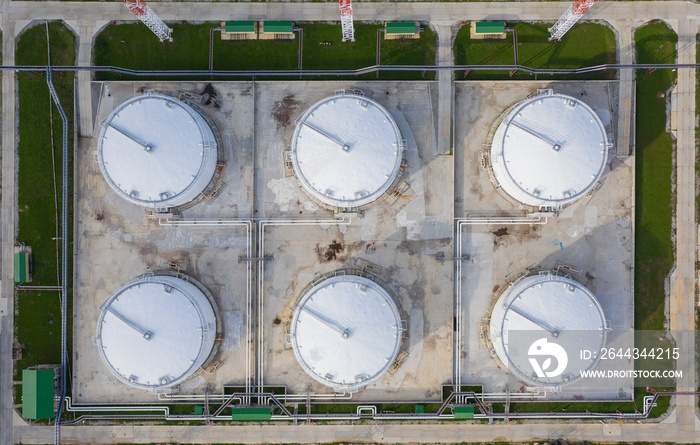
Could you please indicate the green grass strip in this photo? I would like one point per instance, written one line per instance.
(655, 43)
(135, 46)
(38, 313)
(586, 44)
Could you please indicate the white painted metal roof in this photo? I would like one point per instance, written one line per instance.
(549, 150)
(346, 150)
(157, 151)
(346, 332)
(550, 306)
(156, 331)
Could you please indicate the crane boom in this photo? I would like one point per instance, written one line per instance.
(569, 18)
(147, 16)
(346, 20)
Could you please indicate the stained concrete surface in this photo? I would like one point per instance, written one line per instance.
(400, 238)
(116, 241)
(594, 236)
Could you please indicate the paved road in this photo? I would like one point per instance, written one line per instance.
(85, 34)
(682, 302)
(102, 12)
(7, 231)
(445, 89)
(625, 123)
(384, 433)
(87, 18)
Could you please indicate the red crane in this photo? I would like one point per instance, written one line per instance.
(147, 16)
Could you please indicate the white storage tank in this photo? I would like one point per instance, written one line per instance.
(549, 150)
(550, 309)
(346, 151)
(156, 331)
(346, 331)
(157, 151)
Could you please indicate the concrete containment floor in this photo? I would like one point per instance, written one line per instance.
(593, 237)
(400, 240)
(117, 241)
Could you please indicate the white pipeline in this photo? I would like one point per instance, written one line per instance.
(261, 273)
(461, 222)
(248, 224)
(112, 408)
(224, 397)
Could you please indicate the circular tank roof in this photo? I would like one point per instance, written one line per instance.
(550, 307)
(156, 331)
(549, 150)
(346, 332)
(346, 150)
(157, 151)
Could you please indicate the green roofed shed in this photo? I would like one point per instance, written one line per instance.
(37, 394)
(21, 267)
(490, 27)
(240, 26)
(278, 27)
(401, 27)
(251, 414)
(464, 412)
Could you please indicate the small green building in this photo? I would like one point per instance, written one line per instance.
(240, 26)
(21, 267)
(278, 27)
(490, 27)
(37, 394)
(251, 414)
(401, 27)
(401, 30)
(464, 412)
(23, 257)
(239, 30)
(271, 30)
